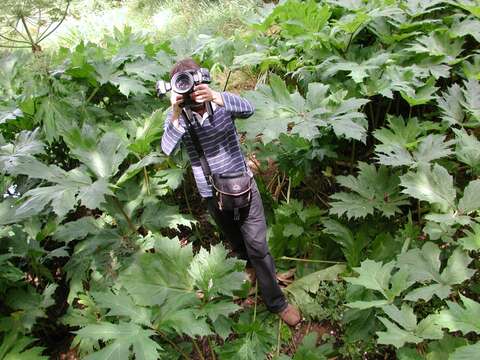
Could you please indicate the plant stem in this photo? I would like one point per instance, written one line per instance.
(226, 81)
(211, 349)
(147, 182)
(279, 335)
(25, 26)
(197, 348)
(289, 189)
(372, 116)
(352, 156)
(255, 305)
(92, 94)
(173, 344)
(125, 215)
(309, 260)
(197, 233)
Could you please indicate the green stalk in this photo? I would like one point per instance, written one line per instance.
(352, 157)
(211, 348)
(125, 215)
(289, 189)
(147, 182)
(92, 94)
(197, 348)
(32, 42)
(279, 335)
(197, 233)
(255, 305)
(173, 344)
(309, 260)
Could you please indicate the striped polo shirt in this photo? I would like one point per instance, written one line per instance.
(218, 138)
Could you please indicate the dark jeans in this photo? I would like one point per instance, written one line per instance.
(248, 239)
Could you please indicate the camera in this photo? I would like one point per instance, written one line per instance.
(183, 83)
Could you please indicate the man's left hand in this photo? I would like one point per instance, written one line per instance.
(202, 93)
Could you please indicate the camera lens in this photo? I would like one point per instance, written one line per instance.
(182, 83)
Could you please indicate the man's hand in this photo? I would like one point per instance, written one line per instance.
(203, 93)
(176, 100)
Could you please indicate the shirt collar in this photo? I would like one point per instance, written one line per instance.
(204, 119)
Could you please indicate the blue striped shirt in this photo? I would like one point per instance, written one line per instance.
(218, 138)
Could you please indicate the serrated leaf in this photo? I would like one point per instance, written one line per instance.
(185, 322)
(166, 216)
(276, 108)
(424, 265)
(128, 85)
(214, 273)
(373, 190)
(76, 230)
(221, 308)
(410, 331)
(123, 336)
(309, 284)
(351, 247)
(106, 72)
(432, 185)
(103, 155)
(450, 104)
(471, 101)
(471, 198)
(439, 44)
(26, 144)
(156, 277)
(373, 275)
(144, 69)
(150, 159)
(395, 336)
(471, 240)
(467, 149)
(467, 352)
(63, 195)
(121, 304)
(457, 318)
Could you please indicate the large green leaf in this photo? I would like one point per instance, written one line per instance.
(457, 318)
(408, 331)
(155, 277)
(424, 265)
(276, 108)
(69, 188)
(372, 190)
(157, 217)
(467, 352)
(376, 276)
(214, 273)
(120, 338)
(471, 240)
(121, 304)
(432, 185)
(103, 155)
(467, 149)
(26, 144)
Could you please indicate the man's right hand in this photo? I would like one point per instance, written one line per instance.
(176, 100)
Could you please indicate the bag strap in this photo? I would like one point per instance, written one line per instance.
(189, 120)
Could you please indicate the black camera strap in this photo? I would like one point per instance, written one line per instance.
(189, 121)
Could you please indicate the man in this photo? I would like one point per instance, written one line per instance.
(219, 140)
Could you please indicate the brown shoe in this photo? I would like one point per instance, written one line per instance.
(290, 315)
(251, 275)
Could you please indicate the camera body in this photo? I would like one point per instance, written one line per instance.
(183, 83)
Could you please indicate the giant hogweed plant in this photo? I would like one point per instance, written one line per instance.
(82, 178)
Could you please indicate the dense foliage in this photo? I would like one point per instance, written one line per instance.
(365, 141)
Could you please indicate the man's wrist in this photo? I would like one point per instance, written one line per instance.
(217, 98)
